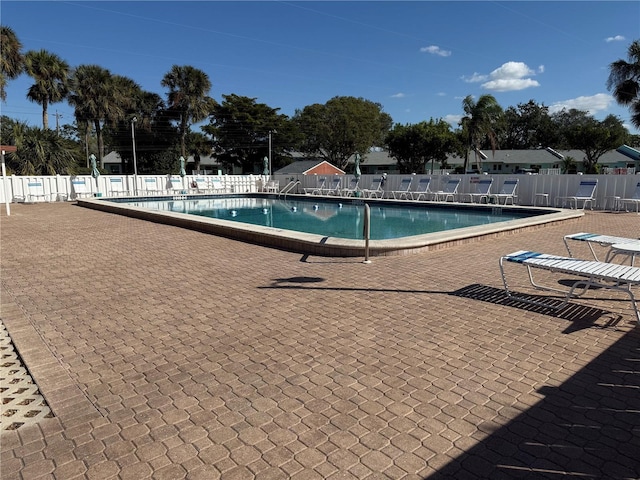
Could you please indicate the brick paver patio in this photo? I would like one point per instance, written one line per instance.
(166, 353)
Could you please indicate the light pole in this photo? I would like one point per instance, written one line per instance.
(270, 132)
(135, 162)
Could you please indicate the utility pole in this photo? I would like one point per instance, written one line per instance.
(58, 117)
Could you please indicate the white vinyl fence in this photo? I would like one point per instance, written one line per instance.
(532, 189)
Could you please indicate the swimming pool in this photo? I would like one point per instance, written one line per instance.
(337, 218)
(184, 211)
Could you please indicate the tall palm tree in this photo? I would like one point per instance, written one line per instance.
(480, 123)
(11, 58)
(187, 98)
(41, 152)
(51, 74)
(624, 79)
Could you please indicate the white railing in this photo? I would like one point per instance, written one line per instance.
(530, 187)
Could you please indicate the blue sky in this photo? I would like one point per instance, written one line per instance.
(417, 59)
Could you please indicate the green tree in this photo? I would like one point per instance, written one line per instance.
(480, 124)
(527, 126)
(340, 128)
(41, 152)
(198, 145)
(596, 138)
(624, 80)
(11, 58)
(240, 128)
(414, 146)
(51, 75)
(188, 98)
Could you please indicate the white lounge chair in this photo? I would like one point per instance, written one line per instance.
(81, 187)
(317, 190)
(34, 192)
(507, 192)
(334, 188)
(482, 190)
(423, 189)
(375, 190)
(116, 187)
(151, 186)
(592, 239)
(449, 191)
(634, 199)
(352, 188)
(175, 185)
(404, 191)
(201, 185)
(217, 186)
(590, 273)
(585, 194)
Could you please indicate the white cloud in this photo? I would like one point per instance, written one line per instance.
(441, 94)
(593, 104)
(398, 95)
(453, 120)
(435, 50)
(508, 77)
(476, 77)
(617, 38)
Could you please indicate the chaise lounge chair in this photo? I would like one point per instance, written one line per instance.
(375, 190)
(634, 199)
(334, 188)
(449, 191)
(507, 192)
(591, 273)
(317, 190)
(352, 188)
(585, 194)
(592, 239)
(116, 186)
(81, 187)
(404, 191)
(34, 192)
(483, 187)
(422, 190)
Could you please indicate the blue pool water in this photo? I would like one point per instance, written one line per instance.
(335, 219)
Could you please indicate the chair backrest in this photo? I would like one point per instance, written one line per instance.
(586, 189)
(322, 181)
(336, 182)
(216, 183)
(483, 186)
(353, 183)
(423, 184)
(376, 184)
(636, 194)
(405, 184)
(175, 183)
(201, 182)
(117, 185)
(509, 187)
(79, 185)
(35, 187)
(150, 184)
(451, 186)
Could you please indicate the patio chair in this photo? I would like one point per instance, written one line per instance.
(116, 186)
(422, 190)
(34, 192)
(81, 187)
(449, 191)
(352, 188)
(482, 190)
(200, 185)
(217, 186)
(334, 188)
(317, 190)
(585, 194)
(634, 199)
(375, 190)
(404, 191)
(592, 239)
(175, 185)
(507, 192)
(272, 186)
(590, 273)
(151, 186)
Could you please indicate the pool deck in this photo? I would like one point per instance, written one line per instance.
(167, 353)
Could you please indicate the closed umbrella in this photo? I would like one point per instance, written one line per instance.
(357, 172)
(95, 173)
(183, 173)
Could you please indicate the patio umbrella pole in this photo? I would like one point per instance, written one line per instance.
(367, 231)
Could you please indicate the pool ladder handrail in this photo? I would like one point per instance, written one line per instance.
(288, 187)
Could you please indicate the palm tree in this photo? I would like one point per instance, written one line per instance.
(41, 152)
(11, 59)
(480, 123)
(51, 74)
(187, 98)
(624, 79)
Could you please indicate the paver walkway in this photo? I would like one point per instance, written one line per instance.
(166, 353)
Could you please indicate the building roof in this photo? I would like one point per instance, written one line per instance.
(310, 167)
